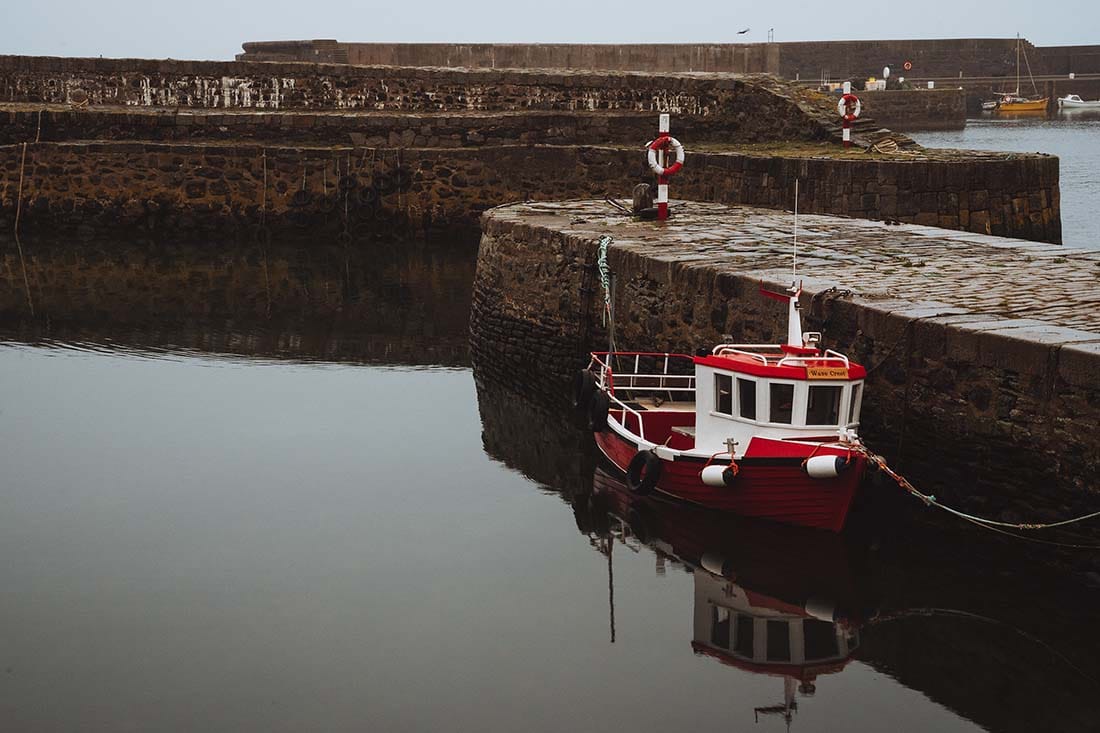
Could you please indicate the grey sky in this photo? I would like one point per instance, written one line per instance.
(215, 29)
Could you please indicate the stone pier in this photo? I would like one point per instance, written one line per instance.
(983, 352)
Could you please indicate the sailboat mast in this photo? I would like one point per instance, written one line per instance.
(794, 260)
(1017, 64)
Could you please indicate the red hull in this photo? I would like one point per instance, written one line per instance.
(776, 489)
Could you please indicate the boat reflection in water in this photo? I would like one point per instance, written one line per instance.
(769, 599)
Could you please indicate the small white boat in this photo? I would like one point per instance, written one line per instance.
(989, 106)
(1072, 101)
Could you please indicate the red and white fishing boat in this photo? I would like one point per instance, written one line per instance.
(758, 430)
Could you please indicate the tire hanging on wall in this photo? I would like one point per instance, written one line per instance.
(584, 386)
(643, 472)
(597, 411)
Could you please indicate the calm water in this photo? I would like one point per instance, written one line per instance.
(1073, 136)
(284, 503)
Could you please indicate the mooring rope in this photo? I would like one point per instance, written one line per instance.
(605, 272)
(605, 283)
(992, 524)
(15, 230)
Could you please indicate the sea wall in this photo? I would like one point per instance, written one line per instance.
(710, 57)
(165, 189)
(916, 109)
(946, 393)
(753, 109)
(805, 60)
(376, 129)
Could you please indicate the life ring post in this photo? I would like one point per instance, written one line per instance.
(849, 108)
(657, 153)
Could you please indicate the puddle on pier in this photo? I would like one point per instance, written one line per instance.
(238, 501)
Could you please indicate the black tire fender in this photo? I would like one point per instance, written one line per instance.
(643, 472)
(584, 386)
(597, 411)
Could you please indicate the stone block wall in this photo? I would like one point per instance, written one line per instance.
(945, 394)
(754, 109)
(916, 109)
(373, 129)
(807, 60)
(944, 57)
(176, 188)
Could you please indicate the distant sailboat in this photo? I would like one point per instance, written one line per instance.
(1017, 103)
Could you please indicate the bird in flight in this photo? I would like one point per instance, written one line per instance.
(741, 33)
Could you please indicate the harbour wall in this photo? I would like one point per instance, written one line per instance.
(945, 394)
(805, 60)
(178, 190)
(916, 109)
(186, 142)
(750, 109)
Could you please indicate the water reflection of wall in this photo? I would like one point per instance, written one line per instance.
(391, 301)
(995, 632)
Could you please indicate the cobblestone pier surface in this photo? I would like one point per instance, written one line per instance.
(984, 352)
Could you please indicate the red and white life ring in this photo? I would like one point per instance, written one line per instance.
(842, 107)
(908, 66)
(662, 143)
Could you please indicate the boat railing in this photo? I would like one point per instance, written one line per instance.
(753, 351)
(772, 355)
(616, 403)
(659, 380)
(828, 356)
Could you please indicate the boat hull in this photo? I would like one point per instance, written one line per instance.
(768, 488)
(1038, 105)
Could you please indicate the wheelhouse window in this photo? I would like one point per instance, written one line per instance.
(781, 402)
(853, 405)
(743, 643)
(723, 394)
(720, 627)
(779, 641)
(746, 398)
(820, 640)
(823, 405)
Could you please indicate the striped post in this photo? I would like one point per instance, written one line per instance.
(846, 124)
(662, 160)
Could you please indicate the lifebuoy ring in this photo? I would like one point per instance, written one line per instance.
(845, 101)
(662, 143)
(908, 65)
(643, 471)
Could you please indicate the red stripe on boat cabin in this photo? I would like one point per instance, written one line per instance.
(748, 365)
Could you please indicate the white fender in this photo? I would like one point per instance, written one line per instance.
(715, 476)
(826, 466)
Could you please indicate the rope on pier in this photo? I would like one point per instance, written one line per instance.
(992, 524)
(605, 283)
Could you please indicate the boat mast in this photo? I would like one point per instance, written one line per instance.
(794, 320)
(1017, 64)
